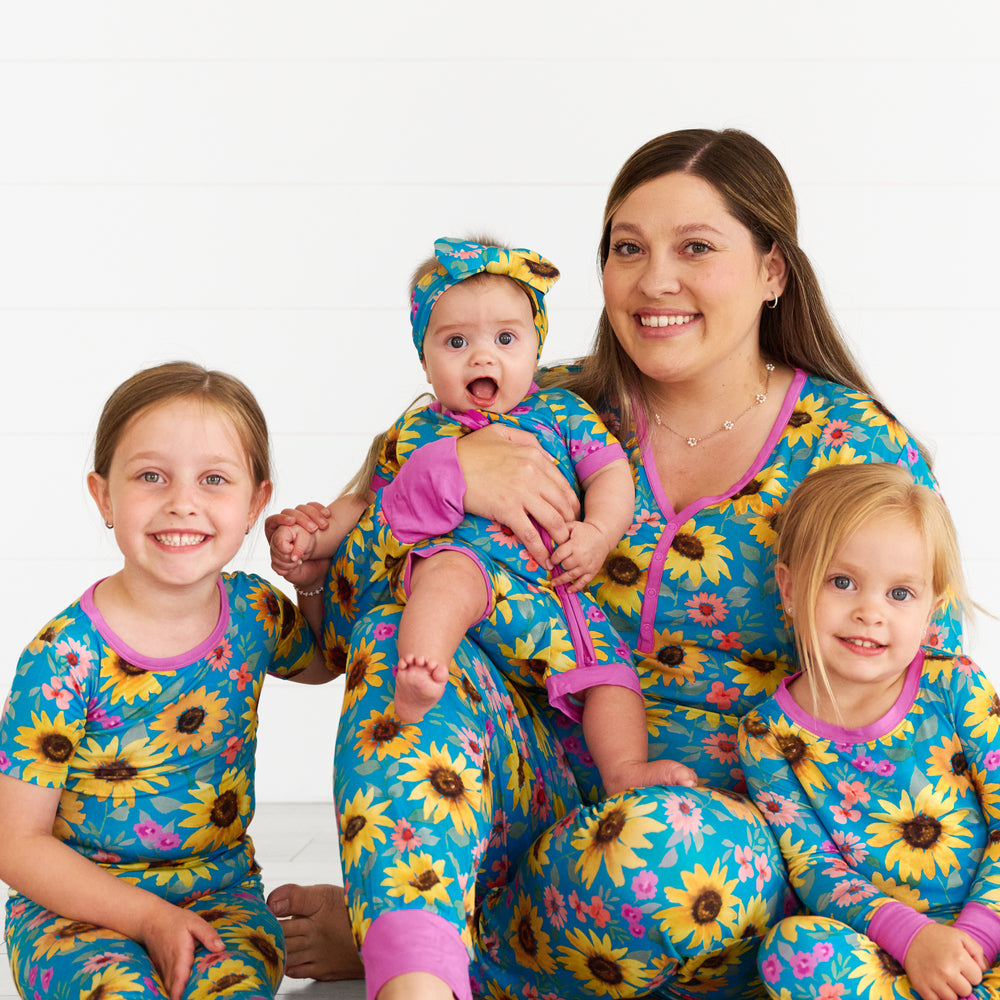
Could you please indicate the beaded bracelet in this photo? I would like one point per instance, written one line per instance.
(308, 593)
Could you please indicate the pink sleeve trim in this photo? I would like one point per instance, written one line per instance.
(560, 687)
(445, 547)
(596, 460)
(426, 497)
(894, 927)
(982, 924)
(401, 941)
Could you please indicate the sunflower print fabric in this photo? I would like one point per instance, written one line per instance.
(155, 759)
(903, 814)
(546, 635)
(488, 814)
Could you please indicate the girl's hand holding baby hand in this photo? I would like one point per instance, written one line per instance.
(292, 538)
(580, 557)
(171, 936)
(943, 963)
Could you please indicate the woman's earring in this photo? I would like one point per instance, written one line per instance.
(773, 304)
(108, 524)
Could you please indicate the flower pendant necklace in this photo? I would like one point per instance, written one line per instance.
(758, 400)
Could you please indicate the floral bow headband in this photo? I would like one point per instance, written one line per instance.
(460, 259)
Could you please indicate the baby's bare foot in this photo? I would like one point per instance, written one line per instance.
(419, 685)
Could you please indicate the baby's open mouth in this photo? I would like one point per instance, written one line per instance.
(482, 389)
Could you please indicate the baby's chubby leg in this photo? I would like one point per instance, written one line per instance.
(448, 595)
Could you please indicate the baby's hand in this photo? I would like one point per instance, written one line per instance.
(311, 517)
(581, 556)
(171, 937)
(943, 963)
(290, 547)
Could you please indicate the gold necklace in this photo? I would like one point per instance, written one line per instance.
(727, 425)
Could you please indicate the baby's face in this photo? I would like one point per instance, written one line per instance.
(481, 346)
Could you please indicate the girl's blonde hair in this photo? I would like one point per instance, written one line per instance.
(829, 506)
(184, 380)
(799, 332)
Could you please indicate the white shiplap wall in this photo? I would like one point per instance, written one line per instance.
(249, 185)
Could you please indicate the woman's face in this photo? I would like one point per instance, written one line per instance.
(684, 283)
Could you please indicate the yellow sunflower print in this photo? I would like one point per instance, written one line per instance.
(923, 833)
(50, 633)
(807, 420)
(448, 786)
(383, 735)
(606, 970)
(106, 771)
(231, 976)
(759, 493)
(697, 553)
(759, 672)
(220, 814)
(609, 835)
(529, 942)
(984, 712)
(364, 670)
(191, 722)
(704, 910)
(617, 583)
(48, 745)
(674, 660)
(418, 877)
(879, 975)
(113, 983)
(802, 751)
(125, 682)
(360, 824)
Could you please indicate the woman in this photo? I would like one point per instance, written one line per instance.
(482, 832)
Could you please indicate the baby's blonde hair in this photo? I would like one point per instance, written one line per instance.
(829, 506)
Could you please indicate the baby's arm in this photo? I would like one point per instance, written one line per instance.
(614, 726)
(609, 506)
(55, 876)
(304, 539)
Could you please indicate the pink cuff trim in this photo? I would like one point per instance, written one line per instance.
(560, 687)
(401, 941)
(444, 547)
(425, 499)
(894, 927)
(982, 924)
(596, 460)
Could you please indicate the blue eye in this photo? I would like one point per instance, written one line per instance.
(698, 247)
(900, 594)
(150, 477)
(841, 582)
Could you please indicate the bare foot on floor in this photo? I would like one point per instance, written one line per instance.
(419, 685)
(318, 939)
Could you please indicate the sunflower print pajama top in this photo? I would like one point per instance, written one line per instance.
(476, 844)
(155, 759)
(884, 829)
(543, 633)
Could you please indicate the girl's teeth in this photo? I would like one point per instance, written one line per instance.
(867, 643)
(179, 540)
(666, 320)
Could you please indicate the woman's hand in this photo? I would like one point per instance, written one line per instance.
(943, 963)
(511, 479)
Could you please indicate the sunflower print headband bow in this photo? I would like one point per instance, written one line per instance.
(461, 259)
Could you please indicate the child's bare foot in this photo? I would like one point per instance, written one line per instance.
(640, 774)
(419, 685)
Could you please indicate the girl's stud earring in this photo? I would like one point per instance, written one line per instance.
(108, 524)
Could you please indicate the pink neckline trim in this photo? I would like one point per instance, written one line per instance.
(865, 734)
(152, 663)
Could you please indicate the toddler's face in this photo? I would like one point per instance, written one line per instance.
(481, 346)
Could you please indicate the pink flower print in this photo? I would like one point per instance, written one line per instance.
(501, 827)
(644, 517)
(912, 454)
(241, 676)
(577, 906)
(74, 653)
(852, 890)
(109, 856)
(727, 640)
(964, 665)
(764, 871)
(744, 858)
(147, 829)
(98, 962)
(472, 745)
(540, 796)
(778, 810)
(644, 885)
(404, 837)
(852, 792)
(4, 761)
(823, 951)
(706, 609)
(384, 631)
(57, 693)
(884, 768)
(682, 815)
(595, 614)
(837, 432)
(501, 866)
(220, 656)
(722, 747)
(95, 713)
(863, 763)
(503, 536)
(831, 991)
(633, 917)
(722, 697)
(599, 912)
(233, 745)
(803, 964)
(168, 841)
(771, 968)
(852, 847)
(46, 979)
(936, 636)
(991, 760)
(555, 906)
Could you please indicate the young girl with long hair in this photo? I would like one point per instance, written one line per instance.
(127, 741)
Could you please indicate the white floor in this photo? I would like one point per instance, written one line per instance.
(295, 843)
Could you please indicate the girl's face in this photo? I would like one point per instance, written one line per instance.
(875, 602)
(684, 283)
(179, 493)
(481, 346)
